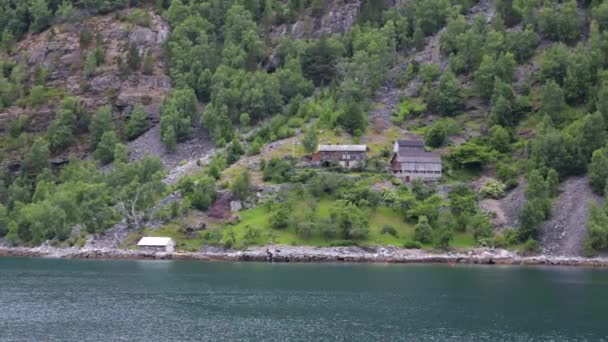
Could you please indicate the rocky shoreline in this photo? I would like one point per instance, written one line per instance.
(480, 256)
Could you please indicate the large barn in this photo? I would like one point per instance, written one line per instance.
(412, 162)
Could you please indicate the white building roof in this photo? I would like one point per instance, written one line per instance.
(155, 241)
(342, 148)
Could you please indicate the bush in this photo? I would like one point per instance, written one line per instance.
(423, 232)
(241, 187)
(255, 147)
(137, 123)
(139, 17)
(277, 170)
(305, 229)
(203, 193)
(343, 243)
(389, 230)
(507, 174)
(212, 236)
(531, 246)
(436, 135)
(280, 218)
(493, 189)
(409, 244)
(105, 149)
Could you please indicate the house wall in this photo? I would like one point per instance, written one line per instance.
(157, 249)
(411, 175)
(343, 157)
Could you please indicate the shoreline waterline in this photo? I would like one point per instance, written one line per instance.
(303, 254)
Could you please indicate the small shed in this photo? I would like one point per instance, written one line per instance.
(156, 244)
(346, 155)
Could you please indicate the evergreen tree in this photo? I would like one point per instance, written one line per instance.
(552, 100)
(102, 122)
(106, 146)
(203, 193)
(241, 186)
(37, 159)
(41, 15)
(310, 140)
(436, 136)
(500, 139)
(449, 100)
(121, 153)
(138, 122)
(353, 118)
(423, 232)
(598, 170)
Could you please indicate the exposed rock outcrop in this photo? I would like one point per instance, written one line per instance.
(60, 51)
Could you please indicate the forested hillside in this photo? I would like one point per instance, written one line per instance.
(513, 95)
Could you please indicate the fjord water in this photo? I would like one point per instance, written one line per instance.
(92, 300)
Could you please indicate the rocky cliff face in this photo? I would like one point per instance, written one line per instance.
(59, 50)
(339, 16)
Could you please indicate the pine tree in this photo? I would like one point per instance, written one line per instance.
(102, 122)
(138, 122)
(310, 140)
(106, 147)
(41, 15)
(448, 100)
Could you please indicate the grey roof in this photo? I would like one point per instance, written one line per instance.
(410, 143)
(342, 148)
(155, 241)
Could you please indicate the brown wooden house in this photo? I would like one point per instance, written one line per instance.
(346, 155)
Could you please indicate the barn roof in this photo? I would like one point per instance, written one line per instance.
(149, 241)
(410, 143)
(416, 155)
(342, 148)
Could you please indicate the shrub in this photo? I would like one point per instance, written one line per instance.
(305, 229)
(436, 135)
(139, 17)
(105, 149)
(280, 218)
(423, 232)
(277, 170)
(255, 147)
(328, 229)
(252, 233)
(203, 193)
(493, 189)
(137, 123)
(241, 187)
(531, 246)
(213, 236)
(507, 174)
(389, 230)
(409, 244)
(343, 243)
(443, 237)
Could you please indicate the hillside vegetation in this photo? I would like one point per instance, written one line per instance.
(512, 93)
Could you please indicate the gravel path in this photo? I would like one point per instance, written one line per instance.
(564, 234)
(149, 144)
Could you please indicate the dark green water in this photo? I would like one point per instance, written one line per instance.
(81, 300)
